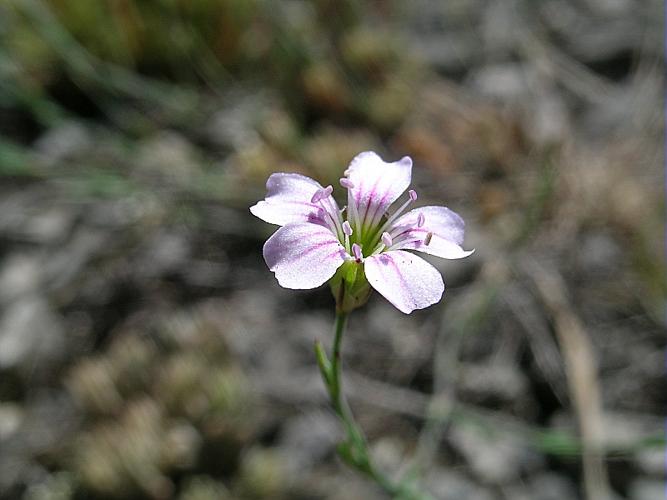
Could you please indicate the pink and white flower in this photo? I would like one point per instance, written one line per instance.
(317, 238)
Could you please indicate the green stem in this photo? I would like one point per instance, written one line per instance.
(335, 389)
(354, 450)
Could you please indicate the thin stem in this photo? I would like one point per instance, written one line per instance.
(354, 450)
(335, 390)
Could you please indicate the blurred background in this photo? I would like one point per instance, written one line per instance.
(146, 352)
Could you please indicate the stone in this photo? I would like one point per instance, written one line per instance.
(32, 335)
(11, 416)
(169, 156)
(493, 380)
(647, 489)
(307, 439)
(493, 455)
(450, 485)
(19, 275)
(63, 142)
(233, 127)
(543, 486)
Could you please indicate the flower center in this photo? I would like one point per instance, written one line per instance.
(363, 240)
(370, 236)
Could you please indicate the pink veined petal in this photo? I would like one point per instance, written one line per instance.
(446, 226)
(288, 200)
(303, 255)
(404, 279)
(377, 184)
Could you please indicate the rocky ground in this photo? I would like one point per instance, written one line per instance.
(147, 352)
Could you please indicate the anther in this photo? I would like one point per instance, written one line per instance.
(347, 229)
(413, 195)
(427, 240)
(356, 250)
(420, 219)
(346, 183)
(387, 239)
(321, 194)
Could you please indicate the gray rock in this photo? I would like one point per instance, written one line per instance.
(493, 455)
(548, 121)
(545, 486)
(49, 226)
(69, 261)
(169, 156)
(599, 254)
(28, 215)
(307, 439)
(627, 110)
(32, 336)
(651, 461)
(544, 114)
(19, 276)
(507, 82)
(63, 142)
(11, 416)
(234, 126)
(164, 252)
(449, 485)
(498, 29)
(648, 489)
(448, 52)
(495, 380)
(59, 486)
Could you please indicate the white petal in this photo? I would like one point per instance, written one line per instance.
(446, 227)
(377, 184)
(288, 200)
(303, 255)
(405, 280)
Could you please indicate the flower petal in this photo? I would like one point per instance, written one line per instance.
(446, 227)
(303, 255)
(377, 184)
(288, 200)
(405, 280)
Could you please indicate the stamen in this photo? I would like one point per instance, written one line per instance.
(317, 196)
(387, 239)
(320, 194)
(346, 183)
(347, 231)
(427, 240)
(352, 212)
(356, 250)
(328, 209)
(420, 219)
(412, 197)
(347, 172)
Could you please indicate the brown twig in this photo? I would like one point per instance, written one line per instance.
(581, 367)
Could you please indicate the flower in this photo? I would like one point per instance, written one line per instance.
(362, 243)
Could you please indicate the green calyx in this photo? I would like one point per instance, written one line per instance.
(350, 286)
